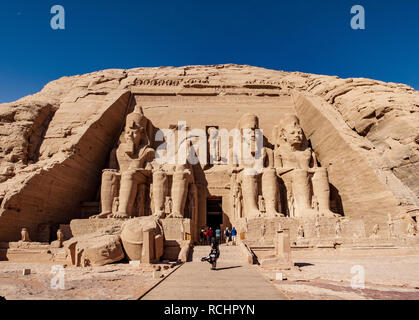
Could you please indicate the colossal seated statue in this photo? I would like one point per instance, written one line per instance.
(133, 156)
(296, 164)
(255, 163)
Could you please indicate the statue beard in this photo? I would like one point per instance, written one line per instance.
(296, 144)
(130, 145)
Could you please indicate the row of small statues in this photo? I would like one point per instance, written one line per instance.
(56, 244)
(412, 228)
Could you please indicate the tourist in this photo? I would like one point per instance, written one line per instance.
(201, 237)
(227, 235)
(211, 236)
(233, 235)
(205, 237)
(213, 255)
(218, 235)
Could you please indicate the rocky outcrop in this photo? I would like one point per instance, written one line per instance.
(54, 144)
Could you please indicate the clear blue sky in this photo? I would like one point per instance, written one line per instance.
(293, 35)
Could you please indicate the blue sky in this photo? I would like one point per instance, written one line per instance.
(293, 35)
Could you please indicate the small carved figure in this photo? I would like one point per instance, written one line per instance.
(214, 145)
(338, 228)
(291, 208)
(168, 205)
(60, 239)
(115, 205)
(317, 226)
(375, 230)
(315, 203)
(25, 235)
(263, 230)
(390, 223)
(300, 231)
(261, 204)
(411, 228)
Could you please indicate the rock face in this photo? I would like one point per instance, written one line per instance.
(55, 144)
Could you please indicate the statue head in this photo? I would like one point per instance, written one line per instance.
(212, 132)
(136, 129)
(289, 131)
(248, 124)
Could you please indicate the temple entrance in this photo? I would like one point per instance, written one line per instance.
(214, 212)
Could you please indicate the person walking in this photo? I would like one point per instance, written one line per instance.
(211, 236)
(227, 235)
(233, 235)
(213, 255)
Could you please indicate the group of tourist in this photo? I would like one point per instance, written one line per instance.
(210, 236)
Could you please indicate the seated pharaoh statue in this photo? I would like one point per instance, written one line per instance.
(252, 164)
(124, 191)
(307, 185)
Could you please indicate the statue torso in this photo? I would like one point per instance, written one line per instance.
(298, 159)
(138, 160)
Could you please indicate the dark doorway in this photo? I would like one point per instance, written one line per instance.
(214, 212)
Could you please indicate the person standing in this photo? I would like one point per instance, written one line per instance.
(211, 236)
(201, 237)
(227, 235)
(205, 237)
(233, 235)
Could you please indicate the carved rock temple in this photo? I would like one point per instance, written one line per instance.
(135, 163)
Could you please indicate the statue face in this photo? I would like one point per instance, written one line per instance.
(133, 135)
(248, 126)
(212, 132)
(293, 134)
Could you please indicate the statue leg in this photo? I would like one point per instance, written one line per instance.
(179, 194)
(301, 191)
(127, 193)
(108, 191)
(159, 192)
(321, 189)
(250, 194)
(141, 199)
(270, 191)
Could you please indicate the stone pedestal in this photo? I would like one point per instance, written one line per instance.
(81, 227)
(283, 245)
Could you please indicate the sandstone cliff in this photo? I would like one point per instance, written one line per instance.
(54, 144)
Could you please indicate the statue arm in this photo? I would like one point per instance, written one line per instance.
(283, 170)
(149, 159)
(268, 158)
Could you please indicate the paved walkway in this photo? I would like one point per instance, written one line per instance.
(234, 279)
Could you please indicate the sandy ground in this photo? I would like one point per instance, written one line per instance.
(321, 274)
(387, 274)
(115, 281)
